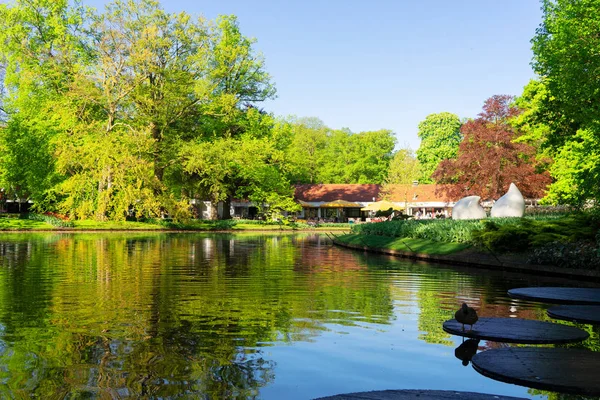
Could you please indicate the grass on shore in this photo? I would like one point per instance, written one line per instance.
(409, 245)
(17, 224)
(14, 224)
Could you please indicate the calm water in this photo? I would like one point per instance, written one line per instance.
(144, 315)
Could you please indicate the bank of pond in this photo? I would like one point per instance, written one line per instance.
(567, 240)
(564, 240)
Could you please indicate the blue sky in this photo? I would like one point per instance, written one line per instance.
(368, 65)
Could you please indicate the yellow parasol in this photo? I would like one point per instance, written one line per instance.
(341, 204)
(383, 205)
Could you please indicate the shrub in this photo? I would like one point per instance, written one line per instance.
(49, 219)
(580, 254)
(445, 230)
(500, 234)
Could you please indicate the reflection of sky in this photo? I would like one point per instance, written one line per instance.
(367, 357)
(353, 359)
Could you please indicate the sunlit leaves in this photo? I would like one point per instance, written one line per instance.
(115, 96)
(440, 136)
(404, 167)
(489, 160)
(565, 111)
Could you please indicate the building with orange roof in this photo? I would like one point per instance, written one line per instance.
(420, 200)
(342, 203)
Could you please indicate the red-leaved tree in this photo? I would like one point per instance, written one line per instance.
(488, 159)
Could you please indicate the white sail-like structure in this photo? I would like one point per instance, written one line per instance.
(512, 204)
(468, 208)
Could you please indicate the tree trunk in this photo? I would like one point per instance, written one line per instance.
(227, 209)
(214, 210)
(159, 170)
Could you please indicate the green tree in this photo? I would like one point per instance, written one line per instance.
(440, 137)
(305, 152)
(374, 151)
(39, 53)
(356, 158)
(565, 56)
(404, 167)
(249, 165)
(110, 99)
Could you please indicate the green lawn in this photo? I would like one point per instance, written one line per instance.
(15, 224)
(192, 225)
(409, 245)
(115, 225)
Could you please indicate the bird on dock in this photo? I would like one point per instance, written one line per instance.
(466, 316)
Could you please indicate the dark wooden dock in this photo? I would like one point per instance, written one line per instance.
(516, 330)
(557, 295)
(418, 395)
(572, 371)
(580, 314)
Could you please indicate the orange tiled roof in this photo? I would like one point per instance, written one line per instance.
(418, 193)
(331, 192)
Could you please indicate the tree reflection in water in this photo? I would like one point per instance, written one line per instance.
(161, 315)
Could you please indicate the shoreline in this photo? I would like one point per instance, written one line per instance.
(473, 258)
(71, 230)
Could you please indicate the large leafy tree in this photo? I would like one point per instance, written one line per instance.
(440, 136)
(39, 53)
(566, 58)
(250, 165)
(305, 152)
(238, 82)
(404, 167)
(489, 159)
(356, 158)
(106, 101)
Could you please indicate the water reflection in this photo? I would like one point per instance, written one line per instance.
(466, 350)
(149, 315)
(160, 315)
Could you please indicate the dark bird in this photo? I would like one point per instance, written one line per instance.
(466, 316)
(466, 351)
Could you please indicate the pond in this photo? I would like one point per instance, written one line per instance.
(218, 316)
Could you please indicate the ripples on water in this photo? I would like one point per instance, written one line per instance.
(137, 315)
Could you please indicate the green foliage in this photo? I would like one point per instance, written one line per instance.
(579, 255)
(317, 154)
(404, 168)
(50, 219)
(27, 166)
(247, 166)
(305, 152)
(356, 158)
(446, 230)
(501, 234)
(564, 114)
(110, 99)
(440, 137)
(576, 170)
(514, 234)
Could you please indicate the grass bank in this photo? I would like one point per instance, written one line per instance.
(38, 222)
(566, 241)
